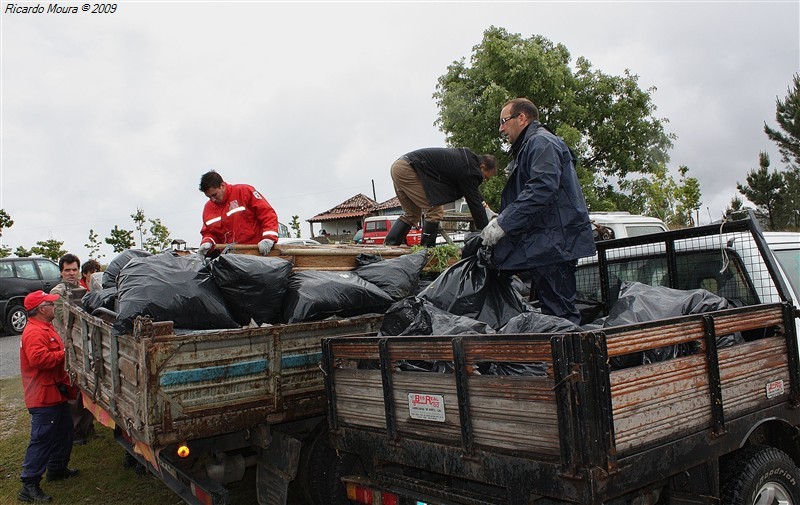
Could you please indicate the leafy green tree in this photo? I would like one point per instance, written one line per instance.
(607, 120)
(763, 189)
(120, 239)
(787, 114)
(159, 237)
(5, 221)
(50, 248)
(295, 225)
(688, 196)
(93, 245)
(21, 252)
(139, 222)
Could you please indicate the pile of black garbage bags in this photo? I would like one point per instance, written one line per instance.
(470, 297)
(236, 290)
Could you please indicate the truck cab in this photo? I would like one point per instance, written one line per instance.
(377, 227)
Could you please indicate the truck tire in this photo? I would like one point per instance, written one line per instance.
(321, 468)
(16, 318)
(760, 475)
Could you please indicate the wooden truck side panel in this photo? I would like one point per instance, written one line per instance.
(579, 424)
(164, 387)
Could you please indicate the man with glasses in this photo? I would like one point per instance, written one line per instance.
(235, 213)
(70, 266)
(543, 225)
(426, 179)
(46, 387)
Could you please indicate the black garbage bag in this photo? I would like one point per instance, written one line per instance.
(253, 287)
(473, 288)
(536, 322)
(102, 298)
(170, 288)
(122, 259)
(472, 244)
(416, 316)
(399, 276)
(639, 303)
(315, 294)
(533, 369)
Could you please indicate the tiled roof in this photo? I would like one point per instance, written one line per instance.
(357, 206)
(391, 203)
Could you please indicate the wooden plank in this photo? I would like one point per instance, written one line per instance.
(319, 257)
(746, 369)
(359, 398)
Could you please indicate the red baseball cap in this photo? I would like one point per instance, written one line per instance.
(37, 297)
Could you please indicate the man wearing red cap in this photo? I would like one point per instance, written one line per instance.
(46, 387)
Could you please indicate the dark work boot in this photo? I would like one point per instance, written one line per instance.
(429, 233)
(64, 473)
(397, 235)
(32, 493)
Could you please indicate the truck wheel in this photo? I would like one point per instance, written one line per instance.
(321, 469)
(760, 475)
(16, 319)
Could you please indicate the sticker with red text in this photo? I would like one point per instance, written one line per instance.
(426, 407)
(774, 388)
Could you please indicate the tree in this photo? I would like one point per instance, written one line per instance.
(21, 252)
(159, 237)
(139, 223)
(607, 120)
(787, 114)
(763, 189)
(120, 239)
(788, 205)
(50, 248)
(688, 196)
(5, 221)
(295, 225)
(93, 245)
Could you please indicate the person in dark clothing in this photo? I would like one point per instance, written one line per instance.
(426, 179)
(543, 225)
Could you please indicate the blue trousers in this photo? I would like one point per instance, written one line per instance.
(51, 442)
(556, 288)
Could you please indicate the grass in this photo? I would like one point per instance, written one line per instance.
(102, 479)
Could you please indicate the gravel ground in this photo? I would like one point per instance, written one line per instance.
(9, 356)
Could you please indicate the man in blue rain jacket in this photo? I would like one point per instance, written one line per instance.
(543, 225)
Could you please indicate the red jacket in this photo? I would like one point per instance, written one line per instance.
(41, 361)
(245, 217)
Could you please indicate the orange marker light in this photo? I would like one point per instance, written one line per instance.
(183, 451)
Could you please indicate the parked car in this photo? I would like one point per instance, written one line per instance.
(18, 277)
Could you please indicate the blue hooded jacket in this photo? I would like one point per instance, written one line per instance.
(543, 211)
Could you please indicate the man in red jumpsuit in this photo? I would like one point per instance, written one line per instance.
(46, 387)
(236, 213)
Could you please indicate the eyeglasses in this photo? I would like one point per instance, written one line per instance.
(47, 304)
(504, 120)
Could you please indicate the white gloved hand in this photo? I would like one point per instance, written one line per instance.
(492, 233)
(204, 248)
(265, 246)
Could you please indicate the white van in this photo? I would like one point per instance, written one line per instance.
(610, 225)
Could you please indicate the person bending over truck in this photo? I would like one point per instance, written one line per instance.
(46, 387)
(426, 179)
(236, 213)
(87, 270)
(543, 225)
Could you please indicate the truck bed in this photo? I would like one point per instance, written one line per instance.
(163, 386)
(587, 434)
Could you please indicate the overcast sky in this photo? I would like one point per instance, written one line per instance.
(311, 102)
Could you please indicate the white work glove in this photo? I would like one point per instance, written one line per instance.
(204, 248)
(492, 233)
(265, 246)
